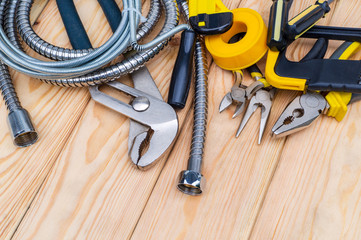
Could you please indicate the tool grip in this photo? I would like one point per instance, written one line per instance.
(334, 33)
(306, 19)
(182, 71)
(112, 13)
(277, 21)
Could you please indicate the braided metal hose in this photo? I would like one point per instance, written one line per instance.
(106, 74)
(21, 127)
(191, 181)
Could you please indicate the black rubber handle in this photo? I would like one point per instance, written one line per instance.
(182, 71)
(306, 19)
(334, 33)
(112, 13)
(73, 25)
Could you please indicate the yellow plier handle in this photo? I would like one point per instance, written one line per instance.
(338, 101)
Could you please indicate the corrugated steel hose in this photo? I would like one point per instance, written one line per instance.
(20, 124)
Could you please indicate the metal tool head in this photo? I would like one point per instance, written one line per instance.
(156, 122)
(237, 96)
(299, 114)
(262, 99)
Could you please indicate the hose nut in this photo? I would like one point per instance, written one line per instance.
(191, 182)
(22, 129)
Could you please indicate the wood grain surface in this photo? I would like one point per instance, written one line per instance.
(78, 182)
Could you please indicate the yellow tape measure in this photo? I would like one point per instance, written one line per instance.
(247, 51)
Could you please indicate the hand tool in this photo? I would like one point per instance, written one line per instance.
(155, 124)
(314, 74)
(238, 96)
(262, 97)
(304, 109)
(257, 94)
(209, 17)
(191, 181)
(183, 67)
(282, 32)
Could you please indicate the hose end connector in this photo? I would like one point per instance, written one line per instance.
(191, 182)
(22, 128)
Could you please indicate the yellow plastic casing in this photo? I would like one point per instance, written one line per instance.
(297, 84)
(338, 104)
(246, 52)
(260, 77)
(206, 7)
(338, 101)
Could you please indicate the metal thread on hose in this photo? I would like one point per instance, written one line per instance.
(21, 127)
(191, 181)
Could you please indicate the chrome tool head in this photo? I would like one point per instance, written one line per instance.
(155, 123)
(299, 114)
(236, 96)
(262, 99)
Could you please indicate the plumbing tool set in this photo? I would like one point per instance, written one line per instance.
(236, 39)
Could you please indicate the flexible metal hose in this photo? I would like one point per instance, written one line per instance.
(58, 53)
(6, 85)
(200, 107)
(87, 64)
(200, 100)
(191, 181)
(109, 73)
(20, 124)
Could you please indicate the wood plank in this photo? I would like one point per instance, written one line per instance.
(93, 190)
(55, 112)
(316, 189)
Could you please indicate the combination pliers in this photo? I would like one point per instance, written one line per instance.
(304, 109)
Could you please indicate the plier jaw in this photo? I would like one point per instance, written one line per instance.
(154, 123)
(299, 114)
(263, 99)
(237, 96)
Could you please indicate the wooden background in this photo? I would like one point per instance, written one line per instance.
(77, 182)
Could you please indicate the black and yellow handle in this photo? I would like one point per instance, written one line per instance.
(307, 19)
(277, 22)
(209, 17)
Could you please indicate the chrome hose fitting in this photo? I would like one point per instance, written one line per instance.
(22, 129)
(191, 181)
